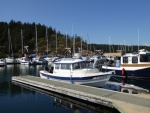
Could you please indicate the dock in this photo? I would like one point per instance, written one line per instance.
(123, 102)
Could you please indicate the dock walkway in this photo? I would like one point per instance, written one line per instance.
(123, 102)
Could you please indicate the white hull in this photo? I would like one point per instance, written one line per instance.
(9, 60)
(96, 79)
(2, 63)
(24, 63)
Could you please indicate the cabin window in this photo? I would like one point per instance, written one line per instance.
(144, 58)
(83, 65)
(57, 66)
(76, 66)
(65, 66)
(134, 59)
(125, 59)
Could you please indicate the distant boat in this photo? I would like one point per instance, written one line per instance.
(24, 61)
(2, 62)
(135, 65)
(76, 71)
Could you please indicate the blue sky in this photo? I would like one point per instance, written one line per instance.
(96, 20)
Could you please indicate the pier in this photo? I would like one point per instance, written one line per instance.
(123, 102)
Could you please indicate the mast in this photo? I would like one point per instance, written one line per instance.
(47, 39)
(138, 40)
(81, 45)
(66, 39)
(36, 39)
(73, 41)
(22, 41)
(10, 43)
(87, 47)
(56, 42)
(74, 44)
(109, 45)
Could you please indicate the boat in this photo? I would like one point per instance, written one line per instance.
(98, 54)
(2, 62)
(135, 65)
(10, 60)
(76, 71)
(24, 61)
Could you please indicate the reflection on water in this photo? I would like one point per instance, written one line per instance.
(14, 70)
(64, 103)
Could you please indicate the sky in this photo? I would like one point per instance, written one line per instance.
(97, 21)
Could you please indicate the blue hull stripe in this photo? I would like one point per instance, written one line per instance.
(75, 78)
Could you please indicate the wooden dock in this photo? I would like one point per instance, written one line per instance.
(123, 102)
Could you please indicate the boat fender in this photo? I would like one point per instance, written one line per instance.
(123, 71)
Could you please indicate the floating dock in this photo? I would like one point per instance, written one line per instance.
(123, 102)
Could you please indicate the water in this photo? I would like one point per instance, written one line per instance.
(21, 99)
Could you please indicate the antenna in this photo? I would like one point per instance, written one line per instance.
(138, 40)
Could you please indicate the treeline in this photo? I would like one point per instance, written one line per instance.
(29, 39)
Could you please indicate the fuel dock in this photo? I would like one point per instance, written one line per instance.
(123, 102)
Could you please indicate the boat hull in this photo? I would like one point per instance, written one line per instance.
(140, 72)
(96, 80)
(9, 60)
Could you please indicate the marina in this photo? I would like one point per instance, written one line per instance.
(29, 97)
(104, 97)
(94, 58)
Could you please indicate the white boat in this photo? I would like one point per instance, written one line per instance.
(76, 71)
(10, 60)
(2, 62)
(135, 65)
(24, 61)
(35, 60)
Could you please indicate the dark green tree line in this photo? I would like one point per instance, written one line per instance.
(29, 39)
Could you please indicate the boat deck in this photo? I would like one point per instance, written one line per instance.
(123, 102)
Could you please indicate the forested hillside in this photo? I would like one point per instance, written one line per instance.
(29, 39)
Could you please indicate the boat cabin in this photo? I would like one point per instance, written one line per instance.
(138, 59)
(72, 64)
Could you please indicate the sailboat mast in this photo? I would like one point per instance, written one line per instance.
(138, 40)
(22, 41)
(66, 39)
(56, 42)
(36, 39)
(73, 41)
(81, 44)
(47, 39)
(9, 41)
(109, 45)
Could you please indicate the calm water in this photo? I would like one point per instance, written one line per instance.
(20, 99)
